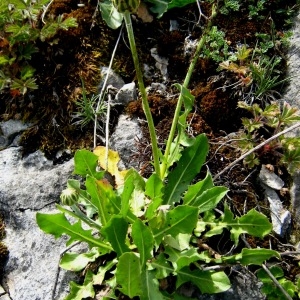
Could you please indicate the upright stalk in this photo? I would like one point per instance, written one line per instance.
(146, 108)
(185, 84)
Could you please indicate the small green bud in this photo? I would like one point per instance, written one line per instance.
(69, 196)
(126, 5)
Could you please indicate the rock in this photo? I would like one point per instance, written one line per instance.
(27, 186)
(113, 79)
(161, 62)
(124, 138)
(10, 130)
(174, 25)
(270, 179)
(295, 196)
(126, 94)
(292, 96)
(158, 87)
(292, 93)
(281, 218)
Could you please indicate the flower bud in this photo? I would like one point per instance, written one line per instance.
(126, 5)
(69, 196)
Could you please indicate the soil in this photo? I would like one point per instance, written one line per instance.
(78, 53)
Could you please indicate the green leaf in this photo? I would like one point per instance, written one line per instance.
(143, 239)
(27, 72)
(133, 195)
(57, 225)
(154, 187)
(102, 270)
(159, 6)
(289, 114)
(208, 282)
(207, 219)
(251, 124)
(110, 14)
(86, 163)
(102, 196)
(128, 274)
(289, 286)
(180, 242)
(253, 223)
(5, 59)
(161, 266)
(24, 85)
(179, 3)
(210, 198)
(197, 189)
(26, 50)
(68, 23)
(270, 289)
(181, 219)
(115, 232)
(182, 259)
(76, 262)
(20, 4)
(150, 286)
(276, 271)
(257, 256)
(188, 101)
(154, 190)
(187, 168)
(79, 292)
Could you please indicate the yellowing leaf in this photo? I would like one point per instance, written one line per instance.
(230, 66)
(111, 165)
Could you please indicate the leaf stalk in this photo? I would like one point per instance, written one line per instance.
(186, 82)
(146, 107)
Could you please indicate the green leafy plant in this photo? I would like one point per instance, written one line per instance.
(257, 74)
(19, 27)
(266, 77)
(229, 5)
(146, 231)
(271, 120)
(254, 10)
(143, 233)
(272, 291)
(216, 46)
(86, 109)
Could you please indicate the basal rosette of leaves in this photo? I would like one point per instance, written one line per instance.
(144, 231)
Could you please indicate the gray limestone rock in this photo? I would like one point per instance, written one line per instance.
(27, 186)
(281, 217)
(292, 96)
(9, 130)
(270, 179)
(113, 78)
(126, 94)
(124, 138)
(161, 62)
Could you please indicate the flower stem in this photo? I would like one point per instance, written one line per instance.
(146, 108)
(180, 99)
